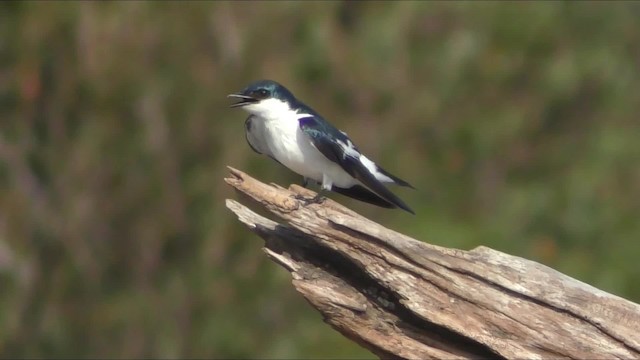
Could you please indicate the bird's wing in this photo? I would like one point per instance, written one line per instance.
(337, 147)
(254, 133)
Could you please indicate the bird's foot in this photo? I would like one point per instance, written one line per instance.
(318, 199)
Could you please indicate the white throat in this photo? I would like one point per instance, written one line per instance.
(271, 109)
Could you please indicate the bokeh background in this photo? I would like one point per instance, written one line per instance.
(517, 122)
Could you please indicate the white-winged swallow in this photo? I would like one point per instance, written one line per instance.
(284, 128)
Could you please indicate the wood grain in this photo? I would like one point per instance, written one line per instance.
(403, 298)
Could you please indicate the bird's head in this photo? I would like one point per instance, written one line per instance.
(264, 97)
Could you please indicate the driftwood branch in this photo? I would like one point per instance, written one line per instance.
(402, 298)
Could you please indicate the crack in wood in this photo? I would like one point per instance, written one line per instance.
(545, 304)
(308, 250)
(488, 282)
(402, 298)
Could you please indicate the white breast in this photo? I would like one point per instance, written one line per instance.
(291, 147)
(294, 149)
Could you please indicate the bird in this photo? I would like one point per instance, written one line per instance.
(290, 132)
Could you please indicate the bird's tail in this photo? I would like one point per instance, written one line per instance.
(396, 180)
(363, 173)
(361, 193)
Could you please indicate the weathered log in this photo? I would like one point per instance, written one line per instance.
(403, 298)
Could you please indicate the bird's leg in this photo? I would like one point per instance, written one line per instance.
(319, 198)
(327, 184)
(305, 183)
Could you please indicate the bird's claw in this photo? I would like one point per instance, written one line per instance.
(318, 199)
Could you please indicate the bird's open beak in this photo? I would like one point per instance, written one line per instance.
(243, 100)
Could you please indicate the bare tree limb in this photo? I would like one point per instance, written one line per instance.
(402, 298)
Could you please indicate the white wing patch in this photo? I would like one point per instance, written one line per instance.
(350, 150)
(373, 168)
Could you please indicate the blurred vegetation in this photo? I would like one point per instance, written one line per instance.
(517, 122)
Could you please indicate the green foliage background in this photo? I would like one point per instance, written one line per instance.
(517, 122)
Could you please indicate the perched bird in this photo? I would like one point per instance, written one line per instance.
(290, 132)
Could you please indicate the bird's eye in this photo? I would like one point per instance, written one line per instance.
(260, 93)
